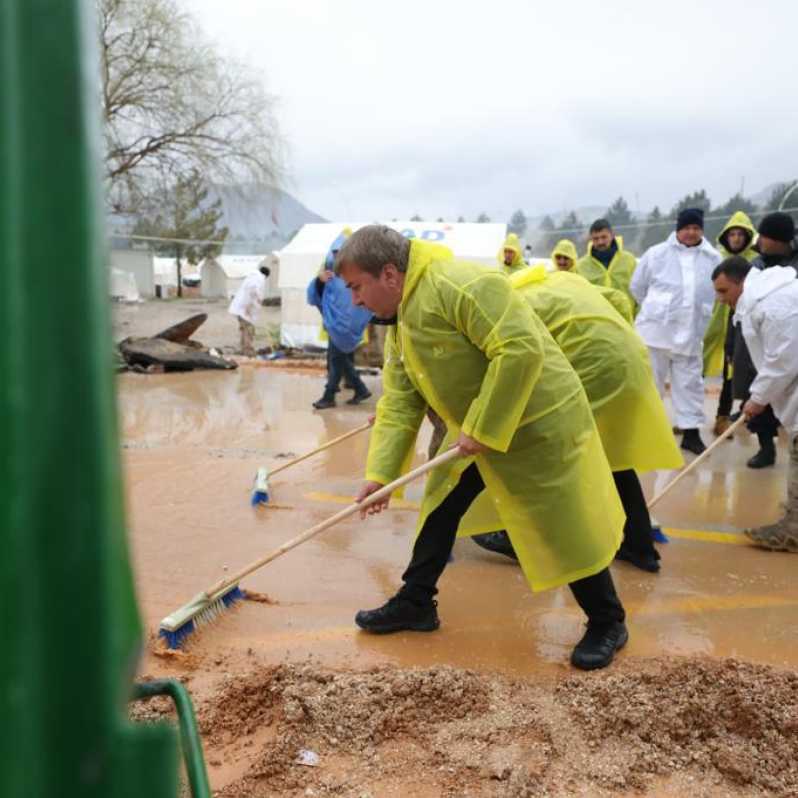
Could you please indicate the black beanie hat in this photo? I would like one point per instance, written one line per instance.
(690, 216)
(778, 226)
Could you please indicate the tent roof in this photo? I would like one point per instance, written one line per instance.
(237, 266)
(465, 239)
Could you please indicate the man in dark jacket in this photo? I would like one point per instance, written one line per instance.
(777, 246)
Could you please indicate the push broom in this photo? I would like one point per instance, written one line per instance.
(700, 459)
(260, 493)
(208, 605)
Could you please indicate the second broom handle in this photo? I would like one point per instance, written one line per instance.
(384, 491)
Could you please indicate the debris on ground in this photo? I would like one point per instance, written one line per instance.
(172, 350)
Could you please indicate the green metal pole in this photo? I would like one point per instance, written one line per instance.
(189, 735)
(70, 630)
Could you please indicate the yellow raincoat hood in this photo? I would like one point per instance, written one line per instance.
(742, 220)
(467, 345)
(567, 248)
(715, 334)
(511, 242)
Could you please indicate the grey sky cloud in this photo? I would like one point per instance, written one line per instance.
(447, 108)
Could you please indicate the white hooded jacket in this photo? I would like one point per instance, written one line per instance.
(768, 314)
(673, 286)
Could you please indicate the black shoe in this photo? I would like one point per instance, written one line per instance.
(763, 458)
(398, 614)
(646, 562)
(498, 542)
(598, 646)
(358, 398)
(691, 441)
(324, 403)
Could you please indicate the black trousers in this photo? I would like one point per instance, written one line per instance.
(342, 364)
(637, 529)
(595, 594)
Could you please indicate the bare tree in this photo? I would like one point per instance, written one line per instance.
(173, 105)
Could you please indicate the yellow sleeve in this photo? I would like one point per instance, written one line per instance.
(400, 412)
(490, 313)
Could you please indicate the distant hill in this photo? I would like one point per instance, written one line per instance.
(260, 219)
(260, 214)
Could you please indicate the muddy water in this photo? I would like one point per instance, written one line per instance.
(194, 441)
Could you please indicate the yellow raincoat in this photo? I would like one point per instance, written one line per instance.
(617, 299)
(567, 248)
(618, 275)
(715, 335)
(469, 346)
(613, 364)
(511, 242)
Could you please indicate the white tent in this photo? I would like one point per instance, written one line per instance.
(139, 265)
(221, 276)
(122, 286)
(301, 259)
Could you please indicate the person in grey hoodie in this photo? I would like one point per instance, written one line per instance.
(765, 304)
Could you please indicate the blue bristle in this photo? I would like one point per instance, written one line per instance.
(236, 594)
(259, 497)
(175, 639)
(658, 535)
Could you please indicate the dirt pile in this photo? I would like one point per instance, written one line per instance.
(737, 718)
(648, 727)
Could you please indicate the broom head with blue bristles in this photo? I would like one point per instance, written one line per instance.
(202, 609)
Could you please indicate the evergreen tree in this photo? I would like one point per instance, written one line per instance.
(618, 214)
(483, 218)
(518, 223)
(185, 216)
(656, 230)
(416, 218)
(698, 199)
(460, 219)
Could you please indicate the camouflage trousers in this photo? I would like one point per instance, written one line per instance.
(247, 330)
(438, 433)
(783, 536)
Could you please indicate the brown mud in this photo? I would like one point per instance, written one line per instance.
(698, 703)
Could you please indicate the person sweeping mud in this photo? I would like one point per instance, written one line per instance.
(467, 345)
(765, 305)
(612, 362)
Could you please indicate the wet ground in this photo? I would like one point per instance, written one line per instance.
(192, 444)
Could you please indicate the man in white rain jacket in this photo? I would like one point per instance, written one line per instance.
(765, 305)
(246, 306)
(673, 286)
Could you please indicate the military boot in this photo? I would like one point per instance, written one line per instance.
(782, 536)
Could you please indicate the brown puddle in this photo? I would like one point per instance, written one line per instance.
(192, 445)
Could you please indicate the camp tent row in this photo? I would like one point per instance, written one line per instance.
(219, 277)
(301, 259)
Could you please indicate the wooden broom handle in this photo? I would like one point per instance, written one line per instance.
(700, 459)
(321, 448)
(224, 584)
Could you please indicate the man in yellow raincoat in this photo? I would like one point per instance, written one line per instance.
(736, 238)
(468, 345)
(612, 362)
(606, 261)
(509, 256)
(563, 256)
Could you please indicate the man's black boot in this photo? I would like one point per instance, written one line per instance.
(766, 456)
(598, 645)
(325, 402)
(398, 614)
(646, 561)
(691, 441)
(498, 542)
(358, 398)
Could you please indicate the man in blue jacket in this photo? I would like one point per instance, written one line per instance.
(344, 323)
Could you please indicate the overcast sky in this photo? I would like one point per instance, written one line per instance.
(446, 108)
